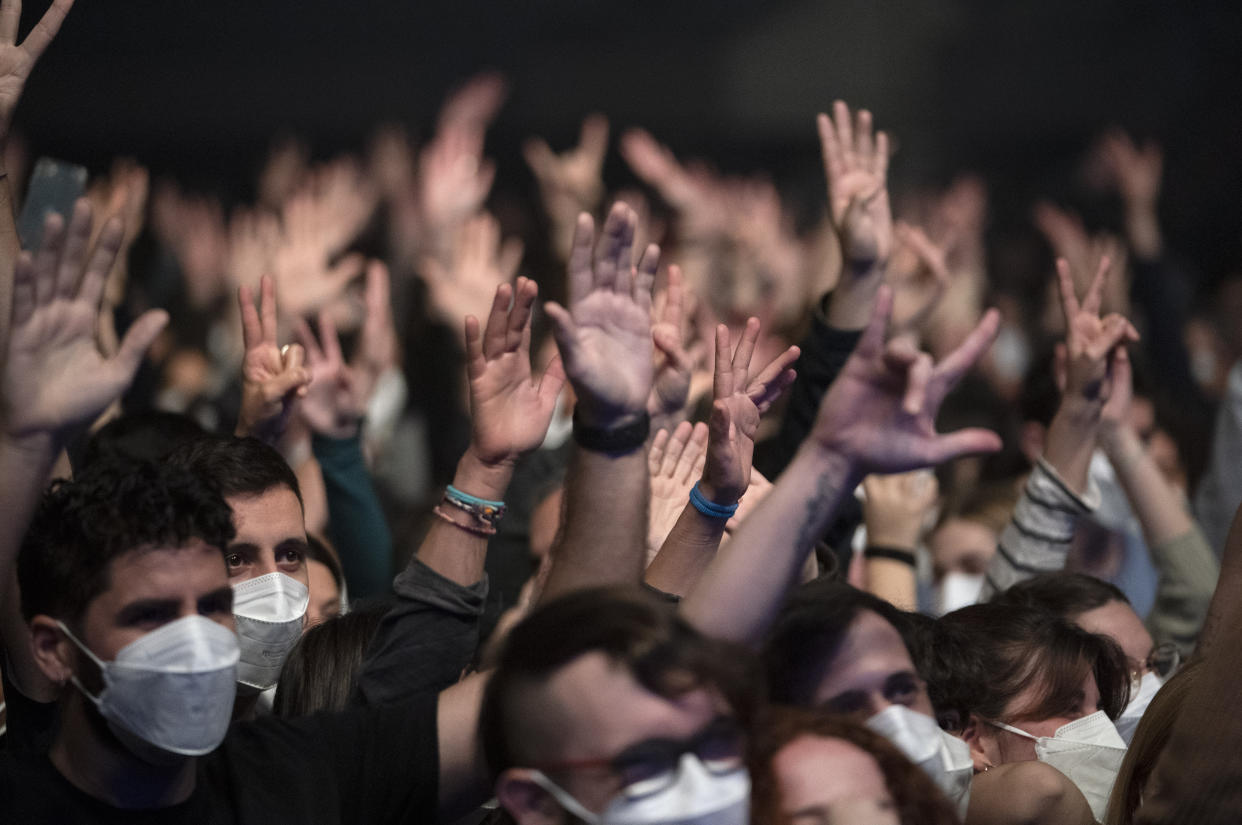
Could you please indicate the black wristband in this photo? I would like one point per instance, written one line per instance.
(890, 553)
(614, 441)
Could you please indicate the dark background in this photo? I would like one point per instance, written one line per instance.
(1014, 90)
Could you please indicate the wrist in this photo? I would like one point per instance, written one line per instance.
(845, 469)
(849, 307)
(38, 446)
(1077, 410)
(620, 437)
(886, 536)
(723, 495)
(483, 478)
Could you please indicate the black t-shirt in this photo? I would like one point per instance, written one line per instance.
(372, 766)
(32, 725)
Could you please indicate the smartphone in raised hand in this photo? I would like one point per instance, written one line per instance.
(54, 187)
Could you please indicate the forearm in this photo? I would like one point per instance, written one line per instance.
(742, 590)
(1037, 538)
(893, 581)
(24, 469)
(603, 539)
(456, 553)
(1142, 226)
(1156, 503)
(1188, 574)
(1071, 439)
(686, 553)
(356, 522)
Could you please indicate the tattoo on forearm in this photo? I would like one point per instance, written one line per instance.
(816, 507)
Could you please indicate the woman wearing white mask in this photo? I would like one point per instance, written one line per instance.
(812, 767)
(1023, 687)
(1099, 607)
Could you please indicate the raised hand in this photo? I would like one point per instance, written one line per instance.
(303, 262)
(674, 364)
(480, 262)
(694, 192)
(896, 506)
(510, 411)
(675, 462)
(919, 276)
(739, 401)
(856, 164)
(273, 378)
(336, 399)
(572, 181)
(605, 335)
(55, 378)
(1136, 170)
(16, 61)
(1091, 342)
(880, 413)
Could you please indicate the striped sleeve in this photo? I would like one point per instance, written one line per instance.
(1037, 538)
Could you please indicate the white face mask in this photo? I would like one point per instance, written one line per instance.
(268, 611)
(1128, 721)
(695, 797)
(1088, 750)
(172, 688)
(957, 590)
(944, 757)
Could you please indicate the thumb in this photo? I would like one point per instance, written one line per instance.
(963, 442)
(138, 338)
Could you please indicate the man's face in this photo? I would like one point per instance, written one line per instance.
(871, 671)
(594, 710)
(1118, 621)
(271, 537)
(150, 588)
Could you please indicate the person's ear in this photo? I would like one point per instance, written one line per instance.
(977, 734)
(525, 801)
(53, 652)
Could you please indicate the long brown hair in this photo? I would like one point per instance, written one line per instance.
(1150, 737)
(918, 800)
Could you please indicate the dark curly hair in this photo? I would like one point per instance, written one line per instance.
(238, 466)
(114, 506)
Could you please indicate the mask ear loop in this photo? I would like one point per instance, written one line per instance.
(1011, 729)
(82, 647)
(563, 797)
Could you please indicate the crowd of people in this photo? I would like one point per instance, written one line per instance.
(345, 506)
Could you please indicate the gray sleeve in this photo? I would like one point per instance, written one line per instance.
(1037, 538)
(1188, 573)
(425, 641)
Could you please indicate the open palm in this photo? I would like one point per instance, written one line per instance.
(55, 378)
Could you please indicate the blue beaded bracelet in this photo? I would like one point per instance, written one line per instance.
(710, 508)
(482, 509)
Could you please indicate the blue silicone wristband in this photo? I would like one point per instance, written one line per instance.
(710, 508)
(453, 492)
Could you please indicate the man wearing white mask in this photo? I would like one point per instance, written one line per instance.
(267, 558)
(842, 649)
(607, 708)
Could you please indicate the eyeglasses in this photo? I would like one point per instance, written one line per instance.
(650, 766)
(1163, 661)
